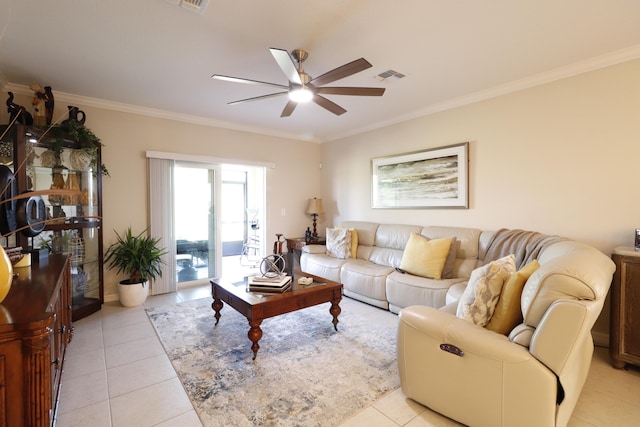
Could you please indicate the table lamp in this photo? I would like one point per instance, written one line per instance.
(314, 209)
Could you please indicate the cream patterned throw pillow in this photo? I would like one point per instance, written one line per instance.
(483, 290)
(338, 243)
(354, 241)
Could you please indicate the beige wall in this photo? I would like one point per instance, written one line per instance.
(560, 158)
(127, 137)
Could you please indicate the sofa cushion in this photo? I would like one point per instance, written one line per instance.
(455, 292)
(508, 312)
(466, 246)
(404, 290)
(366, 279)
(483, 290)
(322, 265)
(425, 258)
(395, 236)
(366, 231)
(338, 242)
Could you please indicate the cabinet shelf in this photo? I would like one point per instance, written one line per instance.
(73, 223)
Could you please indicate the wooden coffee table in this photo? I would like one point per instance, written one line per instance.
(259, 306)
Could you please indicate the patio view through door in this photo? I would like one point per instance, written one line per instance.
(217, 208)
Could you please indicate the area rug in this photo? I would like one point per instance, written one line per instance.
(305, 374)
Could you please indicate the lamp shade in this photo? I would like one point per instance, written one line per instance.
(315, 206)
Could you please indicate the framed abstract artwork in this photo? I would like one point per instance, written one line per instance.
(434, 178)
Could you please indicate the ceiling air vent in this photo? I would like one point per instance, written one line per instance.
(389, 73)
(197, 6)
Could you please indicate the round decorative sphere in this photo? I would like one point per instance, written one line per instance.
(272, 266)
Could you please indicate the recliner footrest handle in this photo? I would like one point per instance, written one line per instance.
(450, 348)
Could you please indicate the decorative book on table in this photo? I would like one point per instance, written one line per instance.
(269, 284)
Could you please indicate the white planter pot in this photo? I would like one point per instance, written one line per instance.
(132, 295)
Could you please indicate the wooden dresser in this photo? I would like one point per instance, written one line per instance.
(624, 333)
(295, 245)
(35, 328)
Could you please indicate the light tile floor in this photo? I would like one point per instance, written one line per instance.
(116, 373)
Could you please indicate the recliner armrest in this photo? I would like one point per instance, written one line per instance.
(449, 329)
(498, 382)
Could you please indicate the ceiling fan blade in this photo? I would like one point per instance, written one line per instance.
(257, 98)
(341, 72)
(247, 81)
(329, 105)
(358, 91)
(286, 64)
(288, 109)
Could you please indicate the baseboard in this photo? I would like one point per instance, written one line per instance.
(111, 298)
(601, 339)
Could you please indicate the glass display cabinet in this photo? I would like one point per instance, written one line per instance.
(57, 222)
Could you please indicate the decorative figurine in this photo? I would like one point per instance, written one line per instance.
(75, 115)
(39, 105)
(49, 104)
(277, 246)
(18, 112)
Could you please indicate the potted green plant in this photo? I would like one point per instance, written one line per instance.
(139, 256)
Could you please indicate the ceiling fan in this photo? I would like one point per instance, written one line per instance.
(302, 88)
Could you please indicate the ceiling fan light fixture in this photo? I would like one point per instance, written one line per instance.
(301, 94)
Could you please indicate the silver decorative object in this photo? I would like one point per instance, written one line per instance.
(273, 266)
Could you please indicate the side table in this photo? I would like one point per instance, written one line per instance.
(624, 333)
(295, 245)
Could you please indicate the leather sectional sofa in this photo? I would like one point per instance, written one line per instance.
(533, 374)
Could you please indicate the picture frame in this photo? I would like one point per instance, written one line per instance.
(433, 178)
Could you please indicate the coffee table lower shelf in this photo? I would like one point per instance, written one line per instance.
(256, 306)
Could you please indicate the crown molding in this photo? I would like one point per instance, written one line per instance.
(153, 112)
(603, 61)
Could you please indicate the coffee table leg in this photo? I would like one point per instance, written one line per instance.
(217, 306)
(255, 333)
(335, 311)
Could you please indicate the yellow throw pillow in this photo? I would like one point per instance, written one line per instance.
(425, 258)
(354, 243)
(508, 312)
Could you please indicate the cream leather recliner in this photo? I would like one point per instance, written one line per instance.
(534, 376)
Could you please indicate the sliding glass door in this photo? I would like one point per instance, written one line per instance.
(218, 210)
(195, 192)
(234, 205)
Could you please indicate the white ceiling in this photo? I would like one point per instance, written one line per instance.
(159, 57)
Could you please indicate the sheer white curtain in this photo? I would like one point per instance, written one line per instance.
(161, 192)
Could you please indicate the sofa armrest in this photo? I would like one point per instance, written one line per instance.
(314, 249)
